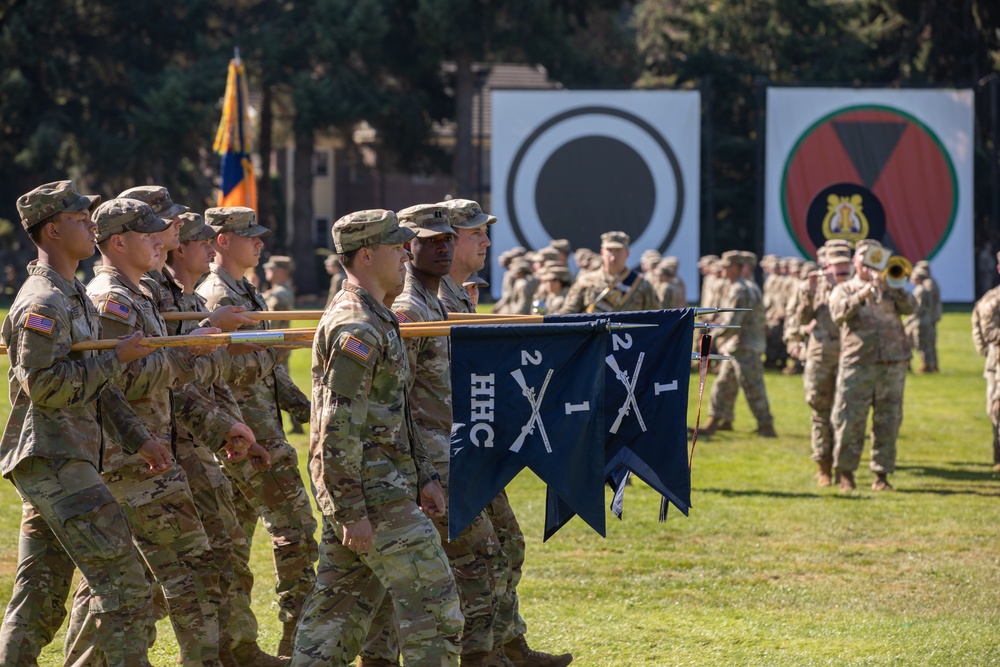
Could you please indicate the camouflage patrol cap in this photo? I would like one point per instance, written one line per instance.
(667, 267)
(193, 228)
(838, 243)
(466, 214)
(117, 216)
(650, 256)
(367, 228)
(280, 262)
(836, 255)
(922, 264)
(920, 272)
(47, 200)
(158, 199)
(477, 280)
(707, 260)
(547, 254)
(426, 220)
(238, 220)
(615, 240)
(732, 258)
(555, 272)
(671, 261)
(806, 268)
(561, 245)
(768, 261)
(520, 265)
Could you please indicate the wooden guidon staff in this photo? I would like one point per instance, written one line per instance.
(286, 337)
(288, 315)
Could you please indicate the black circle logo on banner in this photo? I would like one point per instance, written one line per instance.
(570, 190)
(845, 211)
(594, 183)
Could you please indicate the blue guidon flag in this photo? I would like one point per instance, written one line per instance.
(527, 396)
(645, 418)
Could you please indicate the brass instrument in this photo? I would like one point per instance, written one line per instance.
(897, 271)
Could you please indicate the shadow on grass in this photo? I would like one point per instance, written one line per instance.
(951, 474)
(738, 493)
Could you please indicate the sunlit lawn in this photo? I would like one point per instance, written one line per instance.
(768, 569)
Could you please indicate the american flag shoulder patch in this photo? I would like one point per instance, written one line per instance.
(117, 309)
(40, 323)
(357, 348)
(402, 317)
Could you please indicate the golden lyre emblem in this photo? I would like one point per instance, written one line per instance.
(845, 218)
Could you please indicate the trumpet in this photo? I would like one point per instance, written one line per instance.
(897, 271)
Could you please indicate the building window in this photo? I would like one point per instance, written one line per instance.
(321, 164)
(321, 233)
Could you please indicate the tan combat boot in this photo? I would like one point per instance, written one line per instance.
(522, 655)
(824, 477)
(766, 430)
(248, 654)
(881, 482)
(846, 481)
(725, 426)
(710, 427)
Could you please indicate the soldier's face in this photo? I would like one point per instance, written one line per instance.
(78, 233)
(433, 255)
(473, 291)
(470, 248)
(142, 251)
(389, 264)
(171, 236)
(243, 251)
(614, 259)
(194, 256)
(839, 272)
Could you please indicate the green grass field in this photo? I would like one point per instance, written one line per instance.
(767, 569)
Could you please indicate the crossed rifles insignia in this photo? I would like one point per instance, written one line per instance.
(536, 405)
(630, 401)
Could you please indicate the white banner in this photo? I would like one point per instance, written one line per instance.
(575, 164)
(895, 165)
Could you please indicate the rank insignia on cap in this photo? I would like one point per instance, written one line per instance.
(118, 309)
(39, 323)
(357, 348)
(402, 318)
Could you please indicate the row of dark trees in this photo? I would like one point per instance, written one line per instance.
(115, 93)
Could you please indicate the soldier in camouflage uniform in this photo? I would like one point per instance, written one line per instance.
(555, 282)
(262, 388)
(165, 523)
(471, 223)
(615, 287)
(196, 428)
(874, 353)
(985, 329)
(822, 352)
(746, 344)
(471, 554)
(337, 278)
(53, 444)
(473, 286)
(371, 474)
(921, 325)
(280, 295)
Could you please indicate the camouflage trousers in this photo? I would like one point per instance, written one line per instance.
(471, 556)
(278, 497)
(212, 493)
(407, 562)
(993, 410)
(169, 534)
(860, 388)
(923, 338)
(508, 563)
(70, 518)
(820, 382)
(746, 371)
